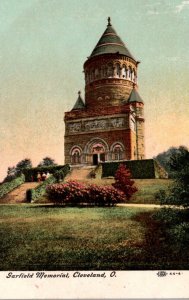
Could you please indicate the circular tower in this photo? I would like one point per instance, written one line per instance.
(110, 71)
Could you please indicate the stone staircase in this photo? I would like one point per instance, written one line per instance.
(18, 195)
(80, 173)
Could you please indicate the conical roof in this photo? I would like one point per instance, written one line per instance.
(79, 103)
(135, 97)
(110, 42)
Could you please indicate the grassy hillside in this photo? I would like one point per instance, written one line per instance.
(147, 188)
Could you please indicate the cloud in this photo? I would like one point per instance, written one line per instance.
(182, 6)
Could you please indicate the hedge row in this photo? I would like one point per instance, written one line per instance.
(31, 174)
(7, 187)
(36, 193)
(141, 169)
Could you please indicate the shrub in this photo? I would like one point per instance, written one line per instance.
(76, 193)
(176, 226)
(180, 233)
(7, 187)
(168, 216)
(123, 181)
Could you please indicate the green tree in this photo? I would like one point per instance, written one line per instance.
(176, 221)
(13, 172)
(47, 161)
(179, 192)
(164, 159)
(23, 164)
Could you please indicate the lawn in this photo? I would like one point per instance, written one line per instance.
(35, 237)
(45, 237)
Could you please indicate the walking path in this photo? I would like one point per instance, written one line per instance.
(18, 195)
(148, 205)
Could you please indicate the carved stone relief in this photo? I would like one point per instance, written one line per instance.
(74, 127)
(97, 124)
(92, 125)
(117, 122)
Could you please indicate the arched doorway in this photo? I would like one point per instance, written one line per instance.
(96, 151)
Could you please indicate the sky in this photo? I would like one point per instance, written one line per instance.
(43, 46)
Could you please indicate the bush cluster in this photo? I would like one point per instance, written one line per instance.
(168, 216)
(175, 223)
(75, 193)
(7, 187)
(180, 234)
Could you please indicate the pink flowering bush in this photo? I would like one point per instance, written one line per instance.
(73, 192)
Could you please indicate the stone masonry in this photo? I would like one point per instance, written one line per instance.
(109, 124)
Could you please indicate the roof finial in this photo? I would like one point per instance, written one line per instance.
(109, 22)
(79, 93)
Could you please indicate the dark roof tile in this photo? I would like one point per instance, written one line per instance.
(111, 43)
(135, 97)
(79, 103)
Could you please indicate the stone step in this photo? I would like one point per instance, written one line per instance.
(79, 173)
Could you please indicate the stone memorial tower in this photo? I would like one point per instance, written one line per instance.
(109, 124)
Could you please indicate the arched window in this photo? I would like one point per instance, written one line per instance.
(90, 75)
(93, 75)
(100, 75)
(118, 152)
(87, 77)
(104, 71)
(76, 156)
(96, 73)
(110, 70)
(117, 70)
(130, 73)
(134, 75)
(124, 72)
